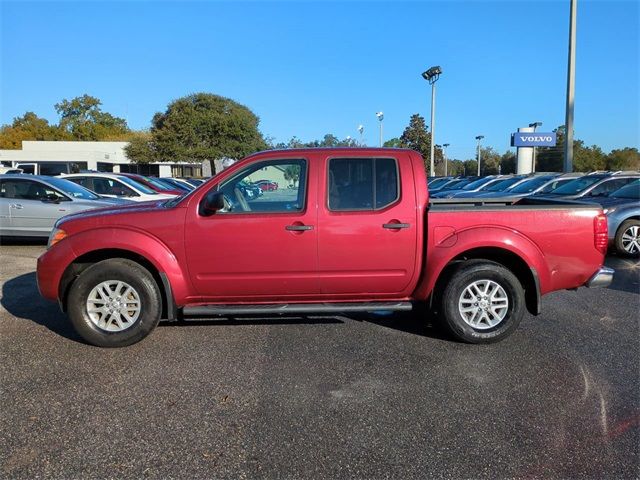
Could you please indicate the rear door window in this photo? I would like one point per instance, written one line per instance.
(362, 183)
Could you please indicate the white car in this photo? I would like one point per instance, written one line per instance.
(116, 186)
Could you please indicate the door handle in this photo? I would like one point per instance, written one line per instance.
(298, 228)
(17, 206)
(396, 226)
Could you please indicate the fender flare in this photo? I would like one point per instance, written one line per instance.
(174, 280)
(477, 239)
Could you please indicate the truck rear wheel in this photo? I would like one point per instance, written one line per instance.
(483, 302)
(114, 303)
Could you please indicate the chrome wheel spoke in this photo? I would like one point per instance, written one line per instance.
(113, 305)
(483, 304)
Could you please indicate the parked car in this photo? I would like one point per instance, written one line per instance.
(177, 184)
(113, 185)
(31, 204)
(496, 189)
(356, 233)
(435, 182)
(196, 182)
(475, 186)
(529, 186)
(590, 186)
(10, 170)
(622, 208)
(153, 183)
(453, 184)
(266, 185)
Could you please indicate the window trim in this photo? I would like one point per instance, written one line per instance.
(285, 161)
(360, 210)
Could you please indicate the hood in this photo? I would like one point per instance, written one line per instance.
(133, 207)
(102, 203)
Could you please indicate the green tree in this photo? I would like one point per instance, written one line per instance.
(489, 161)
(588, 159)
(393, 143)
(624, 159)
(83, 119)
(203, 127)
(508, 162)
(416, 136)
(141, 148)
(28, 127)
(292, 174)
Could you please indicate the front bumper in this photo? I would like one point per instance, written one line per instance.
(602, 278)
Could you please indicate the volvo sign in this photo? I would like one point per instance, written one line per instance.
(533, 139)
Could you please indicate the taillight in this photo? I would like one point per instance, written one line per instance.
(600, 233)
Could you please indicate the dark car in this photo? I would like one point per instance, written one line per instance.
(495, 189)
(591, 186)
(475, 186)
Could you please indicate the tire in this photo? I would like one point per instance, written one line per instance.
(627, 239)
(465, 317)
(124, 300)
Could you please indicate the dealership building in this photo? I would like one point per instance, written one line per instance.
(54, 158)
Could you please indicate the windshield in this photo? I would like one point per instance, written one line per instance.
(478, 183)
(631, 191)
(530, 185)
(158, 184)
(138, 186)
(72, 189)
(502, 185)
(437, 182)
(576, 186)
(455, 184)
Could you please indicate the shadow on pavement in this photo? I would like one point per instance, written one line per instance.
(16, 241)
(627, 276)
(20, 297)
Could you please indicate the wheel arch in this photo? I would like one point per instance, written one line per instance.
(84, 261)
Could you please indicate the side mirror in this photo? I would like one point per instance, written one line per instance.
(211, 203)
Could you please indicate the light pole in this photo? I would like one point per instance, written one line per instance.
(444, 154)
(361, 131)
(479, 137)
(432, 75)
(534, 125)
(380, 116)
(571, 86)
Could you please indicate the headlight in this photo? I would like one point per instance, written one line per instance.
(57, 234)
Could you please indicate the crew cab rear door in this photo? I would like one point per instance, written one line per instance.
(368, 236)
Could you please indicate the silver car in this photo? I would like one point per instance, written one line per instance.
(31, 204)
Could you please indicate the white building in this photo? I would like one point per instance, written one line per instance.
(53, 158)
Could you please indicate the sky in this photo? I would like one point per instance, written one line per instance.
(311, 68)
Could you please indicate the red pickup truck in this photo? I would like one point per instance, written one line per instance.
(355, 231)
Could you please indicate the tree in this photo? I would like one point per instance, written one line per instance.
(416, 137)
(28, 127)
(624, 159)
(82, 118)
(292, 174)
(489, 161)
(141, 148)
(508, 162)
(204, 127)
(393, 143)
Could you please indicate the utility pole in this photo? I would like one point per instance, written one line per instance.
(571, 86)
(478, 138)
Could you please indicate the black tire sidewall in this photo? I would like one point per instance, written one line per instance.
(115, 269)
(618, 240)
(463, 277)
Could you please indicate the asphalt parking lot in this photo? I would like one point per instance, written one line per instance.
(368, 396)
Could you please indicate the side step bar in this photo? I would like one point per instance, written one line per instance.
(204, 310)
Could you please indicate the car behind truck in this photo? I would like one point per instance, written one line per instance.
(355, 232)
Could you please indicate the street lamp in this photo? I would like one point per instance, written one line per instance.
(361, 131)
(432, 75)
(534, 125)
(380, 116)
(444, 154)
(479, 137)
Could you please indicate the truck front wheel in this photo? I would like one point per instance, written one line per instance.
(114, 303)
(483, 302)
